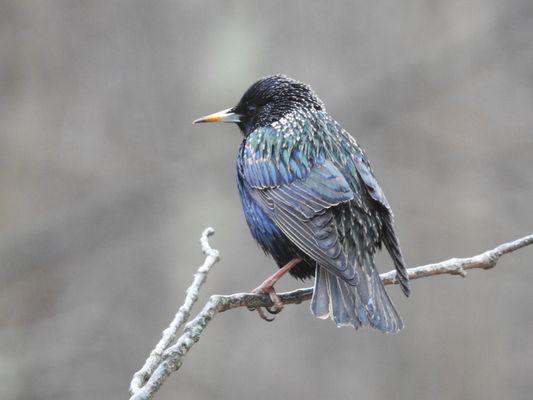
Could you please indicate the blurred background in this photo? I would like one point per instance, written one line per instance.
(106, 187)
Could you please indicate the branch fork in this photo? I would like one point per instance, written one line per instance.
(168, 354)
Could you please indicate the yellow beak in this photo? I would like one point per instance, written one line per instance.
(222, 116)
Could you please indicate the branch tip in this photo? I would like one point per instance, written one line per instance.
(206, 247)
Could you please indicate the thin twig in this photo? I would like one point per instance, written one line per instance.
(183, 314)
(172, 357)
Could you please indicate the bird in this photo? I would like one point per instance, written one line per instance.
(312, 202)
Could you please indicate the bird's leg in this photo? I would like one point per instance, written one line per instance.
(267, 287)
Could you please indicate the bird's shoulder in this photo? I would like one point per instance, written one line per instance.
(291, 147)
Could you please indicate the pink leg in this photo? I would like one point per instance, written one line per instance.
(267, 287)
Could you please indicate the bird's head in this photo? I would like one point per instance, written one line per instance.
(267, 101)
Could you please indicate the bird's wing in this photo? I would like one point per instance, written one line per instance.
(299, 197)
(390, 239)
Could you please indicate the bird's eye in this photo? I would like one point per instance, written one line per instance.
(252, 108)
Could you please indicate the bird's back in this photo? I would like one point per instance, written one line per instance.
(292, 147)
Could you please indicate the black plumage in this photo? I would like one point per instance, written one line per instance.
(308, 193)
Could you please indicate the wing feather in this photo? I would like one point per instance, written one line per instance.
(390, 239)
(302, 211)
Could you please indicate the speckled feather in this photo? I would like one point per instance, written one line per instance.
(308, 191)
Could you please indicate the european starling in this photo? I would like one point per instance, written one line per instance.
(312, 202)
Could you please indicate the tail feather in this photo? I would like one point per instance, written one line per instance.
(342, 303)
(320, 305)
(366, 303)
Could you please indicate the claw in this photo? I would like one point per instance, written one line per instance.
(278, 304)
(262, 314)
(273, 310)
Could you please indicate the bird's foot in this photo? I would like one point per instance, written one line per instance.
(275, 309)
(267, 287)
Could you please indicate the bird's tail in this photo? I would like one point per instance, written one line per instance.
(365, 303)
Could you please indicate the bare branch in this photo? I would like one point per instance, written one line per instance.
(171, 359)
(458, 266)
(183, 314)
